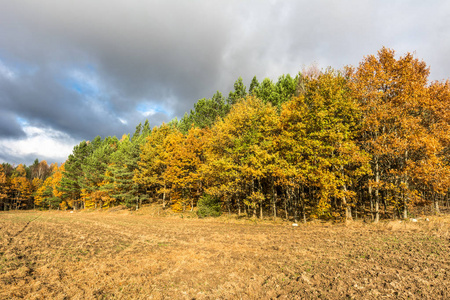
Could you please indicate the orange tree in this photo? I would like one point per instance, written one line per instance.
(152, 164)
(184, 158)
(394, 97)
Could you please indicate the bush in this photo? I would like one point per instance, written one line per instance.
(208, 206)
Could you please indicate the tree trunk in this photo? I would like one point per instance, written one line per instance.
(436, 204)
(405, 199)
(383, 198)
(405, 208)
(377, 196)
(274, 202)
(295, 209)
(164, 196)
(285, 206)
(348, 208)
(245, 210)
(239, 207)
(371, 202)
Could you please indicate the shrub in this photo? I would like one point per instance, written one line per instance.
(208, 206)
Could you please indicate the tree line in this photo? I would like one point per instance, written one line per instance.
(371, 140)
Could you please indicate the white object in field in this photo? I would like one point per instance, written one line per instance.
(414, 220)
(427, 219)
(295, 224)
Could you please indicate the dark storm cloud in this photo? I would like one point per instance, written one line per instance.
(87, 68)
(42, 101)
(9, 126)
(159, 52)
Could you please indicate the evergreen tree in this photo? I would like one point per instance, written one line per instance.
(70, 185)
(239, 92)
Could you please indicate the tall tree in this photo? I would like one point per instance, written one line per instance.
(152, 164)
(73, 175)
(391, 93)
(93, 168)
(20, 188)
(124, 163)
(241, 147)
(185, 158)
(318, 139)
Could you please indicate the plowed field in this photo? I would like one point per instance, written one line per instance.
(104, 255)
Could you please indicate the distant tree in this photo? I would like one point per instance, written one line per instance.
(40, 170)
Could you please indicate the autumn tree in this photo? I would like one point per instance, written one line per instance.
(393, 94)
(48, 195)
(240, 154)
(431, 175)
(20, 188)
(184, 159)
(152, 164)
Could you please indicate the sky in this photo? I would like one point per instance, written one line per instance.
(72, 70)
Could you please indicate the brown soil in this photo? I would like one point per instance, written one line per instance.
(101, 255)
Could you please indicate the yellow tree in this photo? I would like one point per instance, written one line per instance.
(43, 193)
(152, 164)
(48, 195)
(241, 154)
(20, 187)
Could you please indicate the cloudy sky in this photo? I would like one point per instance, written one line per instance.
(72, 70)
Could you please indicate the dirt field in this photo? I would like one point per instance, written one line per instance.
(118, 255)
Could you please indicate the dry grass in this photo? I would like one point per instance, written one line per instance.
(119, 255)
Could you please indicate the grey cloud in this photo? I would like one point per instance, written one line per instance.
(172, 53)
(28, 159)
(9, 126)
